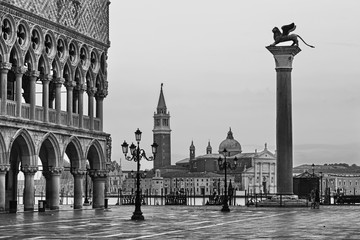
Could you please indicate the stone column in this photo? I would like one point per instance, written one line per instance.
(3, 170)
(91, 92)
(98, 178)
(4, 67)
(47, 176)
(29, 190)
(69, 101)
(284, 56)
(58, 83)
(19, 72)
(54, 192)
(100, 95)
(45, 96)
(33, 77)
(78, 187)
(81, 90)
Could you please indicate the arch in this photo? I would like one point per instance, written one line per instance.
(43, 65)
(95, 155)
(68, 74)
(56, 68)
(30, 60)
(16, 58)
(90, 82)
(49, 151)
(99, 84)
(3, 51)
(103, 62)
(26, 145)
(75, 153)
(3, 153)
(78, 77)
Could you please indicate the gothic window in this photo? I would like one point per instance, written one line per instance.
(157, 122)
(165, 122)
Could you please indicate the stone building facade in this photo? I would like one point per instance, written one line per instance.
(53, 50)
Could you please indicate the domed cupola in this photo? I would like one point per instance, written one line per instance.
(232, 146)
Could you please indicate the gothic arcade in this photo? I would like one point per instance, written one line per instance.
(52, 62)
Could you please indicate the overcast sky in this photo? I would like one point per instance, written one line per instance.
(217, 74)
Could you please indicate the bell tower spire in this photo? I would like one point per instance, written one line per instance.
(162, 133)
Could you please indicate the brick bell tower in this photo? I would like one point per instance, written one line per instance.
(162, 133)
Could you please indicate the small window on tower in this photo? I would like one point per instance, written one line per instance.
(165, 122)
(157, 122)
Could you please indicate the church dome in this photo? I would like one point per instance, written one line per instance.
(232, 146)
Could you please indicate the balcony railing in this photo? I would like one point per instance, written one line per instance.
(39, 115)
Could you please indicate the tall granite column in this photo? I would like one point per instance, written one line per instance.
(284, 56)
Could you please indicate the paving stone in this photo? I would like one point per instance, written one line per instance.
(186, 222)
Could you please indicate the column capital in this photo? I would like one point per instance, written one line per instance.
(4, 168)
(94, 173)
(19, 70)
(59, 81)
(29, 169)
(70, 84)
(284, 55)
(91, 91)
(34, 73)
(55, 170)
(5, 65)
(78, 171)
(81, 87)
(46, 78)
(101, 93)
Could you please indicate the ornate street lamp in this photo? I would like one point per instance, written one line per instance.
(136, 155)
(223, 164)
(313, 168)
(321, 176)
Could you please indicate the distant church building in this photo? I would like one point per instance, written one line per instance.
(162, 133)
(256, 171)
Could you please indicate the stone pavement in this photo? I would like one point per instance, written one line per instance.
(185, 222)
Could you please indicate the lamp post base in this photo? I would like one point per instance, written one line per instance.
(137, 216)
(225, 208)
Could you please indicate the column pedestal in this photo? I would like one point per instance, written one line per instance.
(284, 56)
